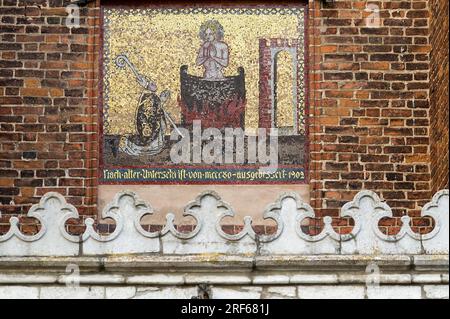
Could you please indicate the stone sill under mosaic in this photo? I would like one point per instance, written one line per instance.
(203, 98)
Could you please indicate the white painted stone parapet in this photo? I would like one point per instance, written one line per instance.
(129, 237)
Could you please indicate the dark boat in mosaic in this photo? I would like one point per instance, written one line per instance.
(218, 103)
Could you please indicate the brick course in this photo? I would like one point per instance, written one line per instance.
(374, 123)
(371, 123)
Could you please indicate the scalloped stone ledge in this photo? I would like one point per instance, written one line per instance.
(320, 276)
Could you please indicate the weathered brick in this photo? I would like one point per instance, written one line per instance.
(373, 88)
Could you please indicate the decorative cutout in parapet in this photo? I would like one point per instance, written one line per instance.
(420, 225)
(129, 236)
(26, 225)
(170, 227)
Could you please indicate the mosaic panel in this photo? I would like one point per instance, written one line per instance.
(194, 95)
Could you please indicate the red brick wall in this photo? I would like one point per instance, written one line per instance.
(48, 91)
(439, 94)
(370, 104)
